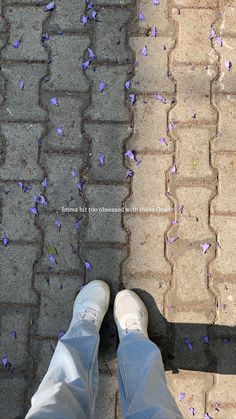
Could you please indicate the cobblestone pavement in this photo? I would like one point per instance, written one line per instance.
(168, 97)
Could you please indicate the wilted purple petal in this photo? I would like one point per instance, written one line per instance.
(101, 160)
(160, 98)
(49, 6)
(192, 411)
(13, 334)
(45, 36)
(45, 183)
(22, 84)
(16, 43)
(78, 225)
(102, 86)
(54, 101)
(84, 20)
(86, 64)
(205, 247)
(5, 240)
(128, 84)
(154, 32)
(6, 362)
(182, 396)
(80, 185)
(163, 141)
(213, 34)
(188, 343)
(205, 339)
(94, 14)
(206, 416)
(129, 173)
(132, 98)
(129, 154)
(156, 2)
(173, 169)
(60, 131)
(74, 173)
(228, 64)
(90, 5)
(88, 265)
(61, 333)
(36, 199)
(218, 244)
(42, 200)
(90, 53)
(172, 239)
(58, 224)
(170, 126)
(141, 16)
(219, 41)
(144, 51)
(52, 259)
(33, 211)
(174, 222)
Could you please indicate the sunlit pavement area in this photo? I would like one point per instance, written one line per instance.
(118, 162)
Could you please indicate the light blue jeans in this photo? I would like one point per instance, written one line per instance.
(69, 388)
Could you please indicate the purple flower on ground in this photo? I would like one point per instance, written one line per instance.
(42, 200)
(80, 185)
(206, 416)
(16, 43)
(54, 101)
(90, 5)
(144, 51)
(5, 240)
(132, 98)
(84, 20)
(33, 211)
(205, 339)
(6, 362)
(45, 36)
(86, 64)
(174, 222)
(189, 344)
(219, 41)
(88, 265)
(101, 160)
(160, 98)
(141, 16)
(36, 199)
(130, 155)
(129, 173)
(78, 225)
(23, 187)
(205, 247)
(61, 333)
(171, 239)
(182, 396)
(173, 169)
(52, 259)
(226, 340)
(74, 173)
(58, 224)
(163, 141)
(170, 126)
(156, 2)
(90, 53)
(102, 86)
(154, 32)
(228, 64)
(94, 14)
(60, 131)
(128, 84)
(192, 411)
(13, 334)
(45, 183)
(49, 6)
(22, 84)
(213, 34)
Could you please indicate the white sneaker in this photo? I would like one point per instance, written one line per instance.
(92, 302)
(130, 314)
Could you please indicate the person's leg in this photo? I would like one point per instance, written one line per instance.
(69, 388)
(143, 389)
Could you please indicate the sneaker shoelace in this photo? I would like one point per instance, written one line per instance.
(132, 326)
(88, 313)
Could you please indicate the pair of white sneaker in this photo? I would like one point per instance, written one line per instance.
(130, 313)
